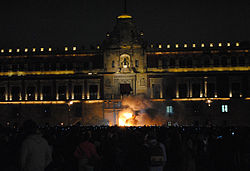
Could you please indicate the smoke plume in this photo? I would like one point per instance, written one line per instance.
(143, 110)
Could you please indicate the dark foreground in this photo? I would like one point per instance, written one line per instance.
(119, 148)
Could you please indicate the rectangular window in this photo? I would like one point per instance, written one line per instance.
(31, 93)
(86, 65)
(93, 90)
(53, 67)
(241, 61)
(216, 61)
(182, 63)
(206, 62)
(46, 93)
(15, 92)
(224, 108)
(62, 92)
(172, 62)
(236, 89)
(182, 90)
(210, 90)
(63, 67)
(37, 67)
(78, 92)
(196, 90)
(164, 63)
(156, 91)
(189, 63)
(233, 61)
(69, 66)
(113, 64)
(224, 61)
(169, 110)
(30, 67)
(46, 67)
(14, 67)
(2, 93)
(5, 68)
(21, 67)
(125, 89)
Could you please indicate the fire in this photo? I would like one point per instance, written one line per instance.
(135, 112)
(124, 119)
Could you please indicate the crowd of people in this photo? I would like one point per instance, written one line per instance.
(101, 148)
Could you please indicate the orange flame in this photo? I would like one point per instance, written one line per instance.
(124, 118)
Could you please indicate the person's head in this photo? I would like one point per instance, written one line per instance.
(30, 127)
(85, 136)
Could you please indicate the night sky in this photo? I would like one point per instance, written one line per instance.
(57, 23)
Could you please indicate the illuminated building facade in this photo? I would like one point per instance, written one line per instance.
(189, 83)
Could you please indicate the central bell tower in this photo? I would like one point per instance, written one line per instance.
(124, 58)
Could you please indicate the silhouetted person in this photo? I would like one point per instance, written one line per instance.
(86, 154)
(35, 152)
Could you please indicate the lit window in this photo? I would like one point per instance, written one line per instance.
(18, 50)
(2, 50)
(10, 50)
(169, 110)
(34, 49)
(151, 45)
(50, 49)
(66, 49)
(176, 45)
(160, 46)
(74, 48)
(107, 34)
(168, 46)
(211, 45)
(228, 44)
(142, 33)
(42, 49)
(185, 45)
(202, 45)
(237, 44)
(194, 45)
(26, 50)
(224, 108)
(220, 44)
(98, 47)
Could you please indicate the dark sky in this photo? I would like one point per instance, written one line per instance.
(56, 23)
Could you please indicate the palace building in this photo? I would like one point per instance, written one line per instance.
(190, 83)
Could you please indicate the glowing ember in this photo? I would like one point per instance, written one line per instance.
(124, 119)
